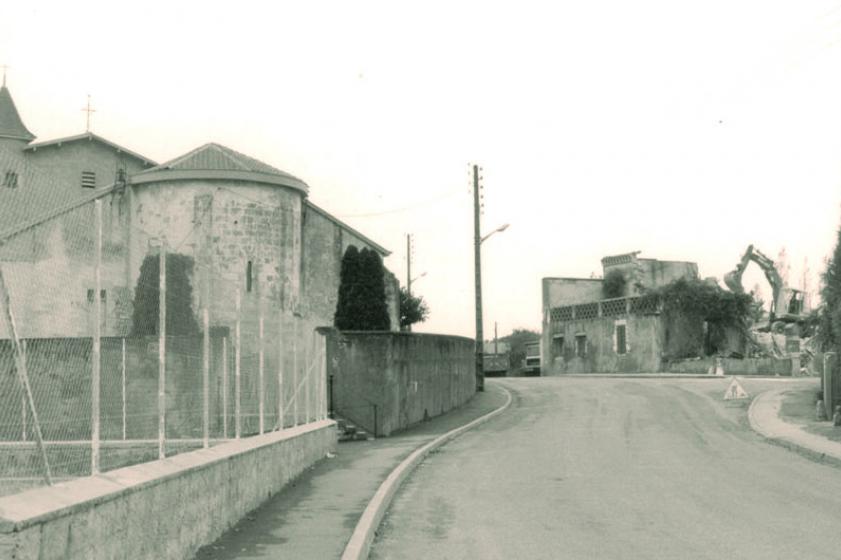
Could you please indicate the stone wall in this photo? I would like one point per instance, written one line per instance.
(732, 366)
(165, 509)
(408, 377)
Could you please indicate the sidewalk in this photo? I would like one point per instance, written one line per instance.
(315, 515)
(788, 417)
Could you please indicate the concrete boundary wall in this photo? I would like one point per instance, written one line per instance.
(162, 509)
(387, 381)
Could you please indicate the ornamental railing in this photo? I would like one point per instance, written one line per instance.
(616, 307)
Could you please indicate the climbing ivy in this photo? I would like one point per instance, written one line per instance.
(695, 300)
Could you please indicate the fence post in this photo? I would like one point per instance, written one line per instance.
(96, 362)
(237, 349)
(162, 353)
(295, 370)
(205, 380)
(261, 391)
(225, 388)
(22, 394)
(309, 368)
(828, 382)
(123, 371)
(23, 377)
(280, 368)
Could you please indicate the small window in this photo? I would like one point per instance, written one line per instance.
(557, 346)
(10, 180)
(581, 345)
(102, 295)
(88, 180)
(621, 344)
(248, 280)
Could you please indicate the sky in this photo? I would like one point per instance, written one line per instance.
(683, 130)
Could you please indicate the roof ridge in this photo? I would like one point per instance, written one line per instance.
(232, 155)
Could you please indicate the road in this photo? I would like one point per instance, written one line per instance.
(617, 468)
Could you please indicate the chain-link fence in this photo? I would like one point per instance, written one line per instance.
(119, 347)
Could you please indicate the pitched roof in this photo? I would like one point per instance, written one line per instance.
(90, 136)
(214, 161)
(10, 124)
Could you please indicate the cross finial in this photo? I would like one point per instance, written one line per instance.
(88, 109)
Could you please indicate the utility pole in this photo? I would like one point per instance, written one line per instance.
(409, 271)
(477, 260)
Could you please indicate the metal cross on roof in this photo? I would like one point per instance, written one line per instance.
(88, 109)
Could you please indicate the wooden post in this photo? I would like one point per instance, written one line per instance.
(237, 386)
(280, 368)
(261, 391)
(123, 370)
(225, 388)
(205, 380)
(23, 376)
(96, 359)
(162, 354)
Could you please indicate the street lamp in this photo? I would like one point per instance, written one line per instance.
(477, 260)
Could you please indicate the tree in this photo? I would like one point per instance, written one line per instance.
(361, 305)
(614, 284)
(180, 319)
(413, 309)
(517, 341)
(829, 327)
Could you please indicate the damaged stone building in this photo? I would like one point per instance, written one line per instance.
(586, 332)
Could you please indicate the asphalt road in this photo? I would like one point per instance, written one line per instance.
(617, 468)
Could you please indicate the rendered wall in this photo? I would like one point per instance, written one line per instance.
(410, 377)
(644, 347)
(570, 291)
(165, 509)
(732, 366)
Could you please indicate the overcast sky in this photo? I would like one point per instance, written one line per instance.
(684, 130)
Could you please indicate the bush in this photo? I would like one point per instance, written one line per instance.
(614, 284)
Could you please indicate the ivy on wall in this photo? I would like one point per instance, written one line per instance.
(180, 319)
(695, 301)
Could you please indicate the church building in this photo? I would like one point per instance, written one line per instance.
(244, 224)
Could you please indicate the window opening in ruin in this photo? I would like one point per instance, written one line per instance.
(102, 295)
(581, 345)
(621, 344)
(88, 180)
(557, 346)
(248, 281)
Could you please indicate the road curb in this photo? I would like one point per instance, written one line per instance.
(764, 419)
(359, 545)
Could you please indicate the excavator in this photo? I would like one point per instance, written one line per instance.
(787, 304)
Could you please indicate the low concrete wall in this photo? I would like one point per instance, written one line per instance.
(732, 366)
(163, 509)
(386, 381)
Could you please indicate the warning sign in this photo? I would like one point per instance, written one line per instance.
(735, 391)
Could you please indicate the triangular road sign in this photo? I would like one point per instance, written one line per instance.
(735, 391)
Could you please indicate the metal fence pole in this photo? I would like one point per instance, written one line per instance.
(261, 391)
(123, 370)
(310, 369)
(237, 387)
(205, 380)
(225, 388)
(22, 394)
(96, 361)
(280, 369)
(295, 370)
(162, 354)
